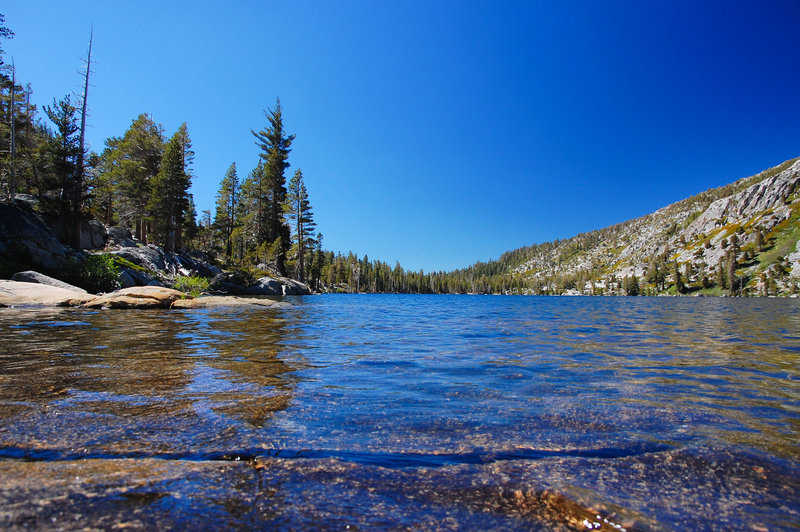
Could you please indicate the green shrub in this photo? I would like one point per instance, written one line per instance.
(93, 273)
(194, 286)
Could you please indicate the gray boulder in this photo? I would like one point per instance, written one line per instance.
(278, 286)
(126, 278)
(23, 232)
(118, 236)
(156, 260)
(151, 258)
(292, 287)
(40, 278)
(265, 286)
(231, 283)
(129, 278)
(197, 264)
(93, 235)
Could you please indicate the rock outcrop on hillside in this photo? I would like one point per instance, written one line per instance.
(699, 234)
(160, 263)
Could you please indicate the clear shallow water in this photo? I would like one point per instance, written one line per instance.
(406, 411)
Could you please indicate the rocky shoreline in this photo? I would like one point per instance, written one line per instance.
(15, 294)
(141, 275)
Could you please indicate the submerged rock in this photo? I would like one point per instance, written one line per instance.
(224, 301)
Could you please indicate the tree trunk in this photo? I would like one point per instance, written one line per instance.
(12, 184)
(77, 191)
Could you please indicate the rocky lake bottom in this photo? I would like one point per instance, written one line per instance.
(423, 412)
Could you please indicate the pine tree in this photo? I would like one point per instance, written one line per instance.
(5, 33)
(630, 285)
(275, 147)
(190, 228)
(759, 240)
(317, 263)
(225, 219)
(63, 151)
(128, 166)
(721, 280)
(299, 213)
(170, 200)
(680, 288)
(732, 281)
(250, 212)
(23, 141)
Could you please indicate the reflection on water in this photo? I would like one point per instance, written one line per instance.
(151, 380)
(630, 407)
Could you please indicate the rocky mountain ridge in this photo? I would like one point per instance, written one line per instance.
(753, 223)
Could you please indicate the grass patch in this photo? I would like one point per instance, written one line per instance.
(784, 242)
(125, 263)
(194, 286)
(712, 291)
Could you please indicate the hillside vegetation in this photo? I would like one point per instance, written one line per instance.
(739, 239)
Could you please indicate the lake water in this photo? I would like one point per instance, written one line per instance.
(389, 411)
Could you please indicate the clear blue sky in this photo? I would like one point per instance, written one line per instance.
(440, 133)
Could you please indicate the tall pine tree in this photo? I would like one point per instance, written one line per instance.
(249, 213)
(275, 147)
(225, 219)
(170, 200)
(128, 166)
(63, 151)
(298, 212)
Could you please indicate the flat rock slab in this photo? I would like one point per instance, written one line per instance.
(23, 294)
(27, 294)
(142, 297)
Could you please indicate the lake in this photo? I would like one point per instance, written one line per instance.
(392, 411)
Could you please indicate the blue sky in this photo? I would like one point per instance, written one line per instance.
(437, 134)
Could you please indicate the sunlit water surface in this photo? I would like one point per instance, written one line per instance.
(405, 411)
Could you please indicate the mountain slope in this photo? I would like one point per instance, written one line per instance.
(740, 239)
